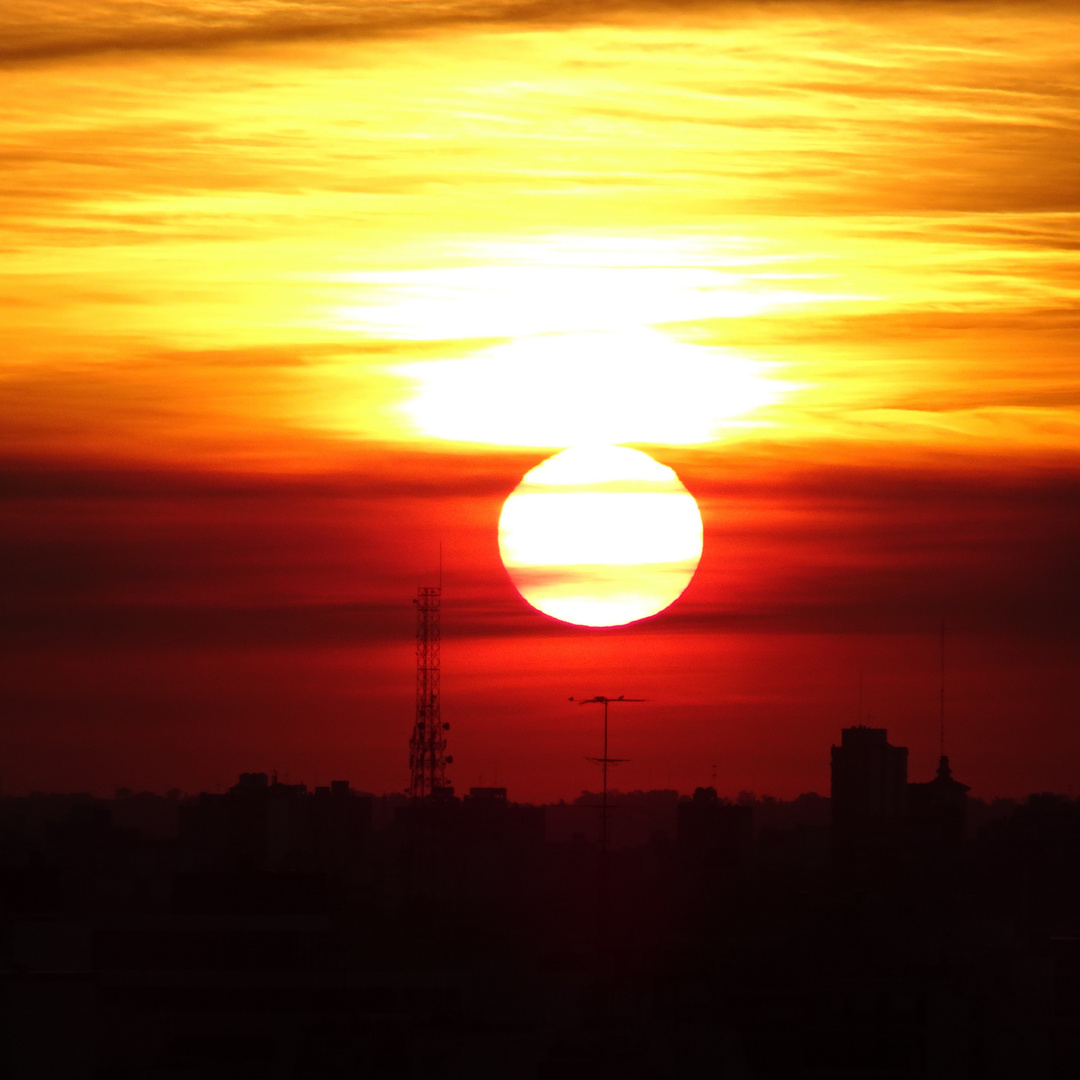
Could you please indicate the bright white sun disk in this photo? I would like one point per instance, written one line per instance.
(600, 536)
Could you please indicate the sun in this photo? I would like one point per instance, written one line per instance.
(600, 536)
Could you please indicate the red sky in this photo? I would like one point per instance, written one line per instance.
(286, 301)
(171, 628)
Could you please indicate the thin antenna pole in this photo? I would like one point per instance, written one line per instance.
(941, 752)
(603, 797)
(440, 566)
(602, 905)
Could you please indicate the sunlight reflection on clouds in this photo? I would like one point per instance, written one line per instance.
(565, 389)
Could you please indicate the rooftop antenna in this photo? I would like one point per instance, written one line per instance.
(941, 718)
(604, 762)
(859, 707)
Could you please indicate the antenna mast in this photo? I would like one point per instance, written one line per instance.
(602, 877)
(604, 762)
(941, 751)
(427, 747)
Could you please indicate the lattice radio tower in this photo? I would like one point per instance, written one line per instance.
(427, 747)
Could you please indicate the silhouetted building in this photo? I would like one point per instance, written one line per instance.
(473, 949)
(485, 811)
(710, 830)
(261, 824)
(869, 790)
(251, 781)
(937, 813)
(491, 795)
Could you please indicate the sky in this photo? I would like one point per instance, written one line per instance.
(292, 295)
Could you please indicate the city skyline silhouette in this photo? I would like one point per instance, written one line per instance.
(380, 382)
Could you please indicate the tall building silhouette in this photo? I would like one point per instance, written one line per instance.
(869, 790)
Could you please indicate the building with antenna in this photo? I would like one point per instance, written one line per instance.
(876, 812)
(937, 811)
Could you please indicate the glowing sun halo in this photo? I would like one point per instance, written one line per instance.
(600, 536)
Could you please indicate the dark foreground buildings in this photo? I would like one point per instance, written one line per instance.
(869, 791)
(278, 932)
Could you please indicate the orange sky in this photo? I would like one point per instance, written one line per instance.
(290, 292)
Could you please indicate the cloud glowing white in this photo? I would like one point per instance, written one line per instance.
(568, 389)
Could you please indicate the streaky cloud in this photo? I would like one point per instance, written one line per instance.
(46, 32)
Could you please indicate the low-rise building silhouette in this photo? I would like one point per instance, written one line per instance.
(461, 942)
(711, 830)
(938, 809)
(261, 824)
